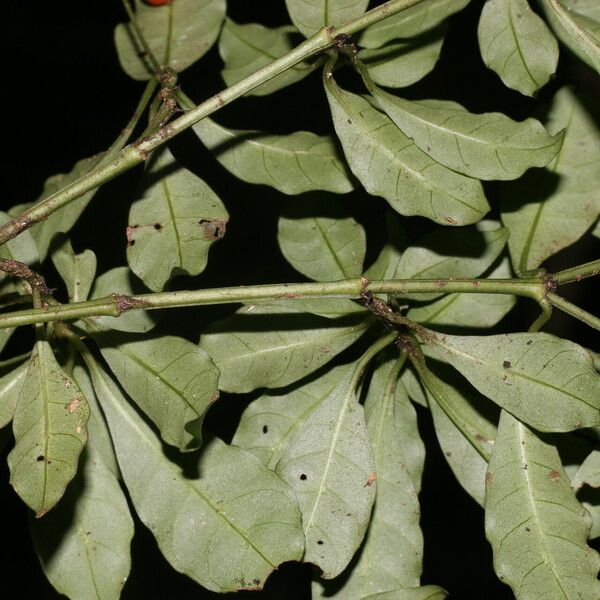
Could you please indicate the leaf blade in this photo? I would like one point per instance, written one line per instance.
(309, 16)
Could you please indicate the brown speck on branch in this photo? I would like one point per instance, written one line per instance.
(22, 271)
(124, 303)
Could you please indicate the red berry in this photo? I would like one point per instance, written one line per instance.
(157, 2)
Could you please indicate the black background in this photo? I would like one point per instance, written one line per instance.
(66, 98)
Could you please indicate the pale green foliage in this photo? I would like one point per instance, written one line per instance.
(211, 527)
(390, 165)
(410, 22)
(517, 44)
(580, 32)
(465, 435)
(49, 425)
(405, 62)
(533, 208)
(536, 527)
(549, 383)
(272, 346)
(172, 380)
(311, 15)
(391, 554)
(247, 48)
(178, 34)
(329, 464)
(77, 270)
(323, 248)
(172, 227)
(485, 146)
(325, 464)
(293, 164)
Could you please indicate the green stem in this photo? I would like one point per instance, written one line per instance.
(574, 310)
(577, 273)
(137, 153)
(544, 317)
(346, 288)
(368, 356)
(140, 36)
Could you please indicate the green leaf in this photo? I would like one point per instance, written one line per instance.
(405, 62)
(329, 465)
(293, 164)
(249, 47)
(178, 33)
(83, 545)
(414, 387)
(534, 208)
(62, 220)
(388, 164)
(410, 22)
(98, 435)
(10, 388)
(172, 227)
(392, 553)
(427, 592)
(21, 248)
(120, 281)
(596, 230)
(464, 432)
(446, 253)
(588, 473)
(49, 426)
(227, 528)
(547, 382)
(309, 16)
(271, 346)
(270, 422)
(172, 380)
(484, 146)
(580, 32)
(536, 527)
(324, 248)
(468, 310)
(77, 270)
(517, 44)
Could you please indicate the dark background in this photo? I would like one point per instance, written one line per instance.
(66, 98)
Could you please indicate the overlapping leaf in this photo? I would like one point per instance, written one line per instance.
(547, 211)
(452, 253)
(390, 165)
(579, 31)
(536, 527)
(517, 44)
(172, 227)
(269, 423)
(311, 15)
(120, 281)
(329, 465)
(324, 248)
(249, 47)
(547, 382)
(465, 434)
(21, 248)
(293, 164)
(77, 270)
(10, 388)
(410, 22)
(271, 346)
(589, 472)
(467, 310)
(178, 33)
(485, 146)
(330, 308)
(172, 380)
(405, 62)
(392, 552)
(427, 592)
(227, 528)
(49, 426)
